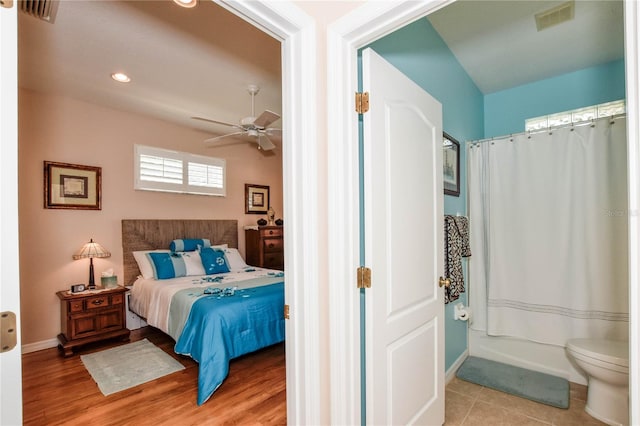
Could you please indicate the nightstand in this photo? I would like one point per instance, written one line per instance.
(91, 316)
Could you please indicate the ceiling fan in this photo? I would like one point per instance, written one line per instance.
(256, 128)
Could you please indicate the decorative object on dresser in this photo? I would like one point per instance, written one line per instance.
(265, 246)
(256, 199)
(91, 250)
(271, 215)
(91, 316)
(72, 186)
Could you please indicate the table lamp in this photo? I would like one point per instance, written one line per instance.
(91, 250)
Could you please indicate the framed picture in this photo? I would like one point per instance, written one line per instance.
(451, 165)
(256, 198)
(72, 186)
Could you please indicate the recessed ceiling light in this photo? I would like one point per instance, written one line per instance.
(120, 77)
(186, 3)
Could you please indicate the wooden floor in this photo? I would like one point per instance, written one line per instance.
(59, 391)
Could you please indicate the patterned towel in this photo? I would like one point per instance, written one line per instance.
(456, 246)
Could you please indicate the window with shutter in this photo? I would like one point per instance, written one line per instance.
(158, 169)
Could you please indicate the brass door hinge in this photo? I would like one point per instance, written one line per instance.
(364, 277)
(8, 332)
(286, 311)
(362, 102)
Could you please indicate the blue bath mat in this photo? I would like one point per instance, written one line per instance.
(539, 387)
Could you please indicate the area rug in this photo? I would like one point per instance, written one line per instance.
(129, 365)
(539, 387)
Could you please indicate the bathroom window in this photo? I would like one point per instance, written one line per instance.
(607, 109)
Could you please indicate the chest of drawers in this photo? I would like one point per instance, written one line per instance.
(265, 247)
(91, 317)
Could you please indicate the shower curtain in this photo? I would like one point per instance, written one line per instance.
(548, 233)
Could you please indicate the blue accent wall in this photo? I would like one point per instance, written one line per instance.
(418, 51)
(506, 111)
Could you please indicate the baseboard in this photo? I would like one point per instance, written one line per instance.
(38, 346)
(451, 372)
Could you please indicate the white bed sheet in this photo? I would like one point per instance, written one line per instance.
(151, 298)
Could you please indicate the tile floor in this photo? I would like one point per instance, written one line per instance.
(468, 404)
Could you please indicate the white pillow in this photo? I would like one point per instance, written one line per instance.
(144, 264)
(193, 263)
(234, 259)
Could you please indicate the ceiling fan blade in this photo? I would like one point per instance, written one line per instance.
(208, 120)
(264, 143)
(212, 141)
(266, 118)
(274, 132)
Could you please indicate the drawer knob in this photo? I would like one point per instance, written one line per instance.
(98, 302)
(271, 245)
(270, 232)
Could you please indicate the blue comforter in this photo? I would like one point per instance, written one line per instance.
(219, 329)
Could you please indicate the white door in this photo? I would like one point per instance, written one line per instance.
(10, 361)
(403, 214)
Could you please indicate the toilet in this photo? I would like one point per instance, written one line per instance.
(606, 363)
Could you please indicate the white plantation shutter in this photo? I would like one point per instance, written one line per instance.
(159, 169)
(206, 175)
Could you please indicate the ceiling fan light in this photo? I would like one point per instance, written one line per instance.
(186, 3)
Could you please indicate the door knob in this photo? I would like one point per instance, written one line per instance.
(444, 282)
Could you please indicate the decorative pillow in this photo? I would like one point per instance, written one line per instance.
(144, 263)
(193, 263)
(167, 265)
(174, 265)
(189, 244)
(214, 261)
(234, 259)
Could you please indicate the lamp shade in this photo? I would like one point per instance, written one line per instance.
(91, 249)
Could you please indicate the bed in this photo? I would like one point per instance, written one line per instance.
(214, 316)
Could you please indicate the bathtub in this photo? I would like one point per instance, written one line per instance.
(540, 357)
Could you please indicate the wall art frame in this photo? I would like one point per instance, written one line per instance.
(72, 186)
(256, 199)
(451, 165)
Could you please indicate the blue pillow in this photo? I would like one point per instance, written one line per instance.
(189, 244)
(213, 261)
(167, 265)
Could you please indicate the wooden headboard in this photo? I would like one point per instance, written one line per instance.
(150, 234)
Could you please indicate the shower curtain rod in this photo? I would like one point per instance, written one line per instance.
(549, 129)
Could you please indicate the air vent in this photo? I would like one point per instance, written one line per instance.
(41, 9)
(555, 15)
